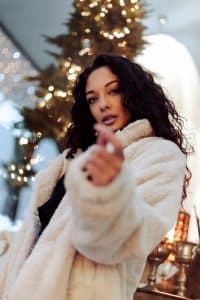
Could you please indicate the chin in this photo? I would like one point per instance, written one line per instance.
(115, 128)
(119, 127)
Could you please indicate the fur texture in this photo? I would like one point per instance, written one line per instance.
(96, 244)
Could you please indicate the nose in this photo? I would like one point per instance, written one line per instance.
(103, 103)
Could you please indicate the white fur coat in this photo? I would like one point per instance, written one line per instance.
(98, 239)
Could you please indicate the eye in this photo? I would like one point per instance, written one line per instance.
(91, 100)
(114, 91)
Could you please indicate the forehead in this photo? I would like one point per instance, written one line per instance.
(99, 78)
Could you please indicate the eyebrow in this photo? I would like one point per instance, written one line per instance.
(106, 85)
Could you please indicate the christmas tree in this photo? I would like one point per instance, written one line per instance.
(19, 170)
(95, 27)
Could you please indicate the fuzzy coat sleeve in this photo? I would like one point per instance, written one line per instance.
(5, 241)
(129, 216)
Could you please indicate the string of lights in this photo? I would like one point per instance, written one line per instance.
(16, 91)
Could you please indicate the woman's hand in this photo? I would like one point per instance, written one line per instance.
(104, 161)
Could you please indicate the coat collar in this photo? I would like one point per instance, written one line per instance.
(134, 132)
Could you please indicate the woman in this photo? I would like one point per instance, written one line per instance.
(125, 173)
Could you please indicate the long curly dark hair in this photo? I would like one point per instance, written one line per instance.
(142, 97)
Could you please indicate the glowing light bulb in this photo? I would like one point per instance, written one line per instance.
(48, 96)
(51, 88)
(19, 178)
(23, 141)
(13, 167)
(28, 167)
(21, 171)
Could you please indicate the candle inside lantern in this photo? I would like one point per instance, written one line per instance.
(182, 226)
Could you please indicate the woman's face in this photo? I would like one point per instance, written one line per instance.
(105, 100)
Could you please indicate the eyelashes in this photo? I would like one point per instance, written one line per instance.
(91, 100)
(112, 92)
(117, 91)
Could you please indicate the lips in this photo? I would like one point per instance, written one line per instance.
(109, 119)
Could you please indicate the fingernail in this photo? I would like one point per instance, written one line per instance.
(110, 148)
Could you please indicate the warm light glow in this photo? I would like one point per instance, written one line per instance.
(126, 30)
(13, 176)
(97, 18)
(72, 77)
(42, 104)
(85, 13)
(69, 125)
(69, 93)
(122, 44)
(87, 30)
(118, 34)
(51, 88)
(103, 9)
(48, 96)
(59, 93)
(93, 4)
(39, 134)
(28, 167)
(21, 171)
(72, 70)
(85, 51)
(67, 64)
(23, 141)
(19, 178)
(124, 13)
(102, 14)
(12, 167)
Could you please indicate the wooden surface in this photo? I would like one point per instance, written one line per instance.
(153, 295)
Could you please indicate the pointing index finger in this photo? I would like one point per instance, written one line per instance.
(105, 136)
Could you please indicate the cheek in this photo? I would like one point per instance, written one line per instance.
(93, 112)
(126, 115)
